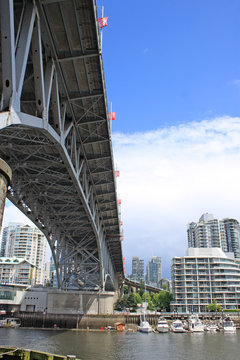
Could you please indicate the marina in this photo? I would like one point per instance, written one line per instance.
(102, 345)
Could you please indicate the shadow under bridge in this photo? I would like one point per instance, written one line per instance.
(55, 136)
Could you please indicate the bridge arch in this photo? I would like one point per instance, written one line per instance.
(109, 284)
(55, 135)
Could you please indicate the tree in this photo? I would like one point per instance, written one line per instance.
(138, 298)
(132, 302)
(165, 287)
(214, 306)
(142, 288)
(146, 297)
(151, 306)
(128, 302)
(162, 300)
(121, 303)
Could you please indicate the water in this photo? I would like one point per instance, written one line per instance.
(127, 346)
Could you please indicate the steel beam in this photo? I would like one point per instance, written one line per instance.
(51, 86)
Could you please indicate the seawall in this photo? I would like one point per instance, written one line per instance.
(74, 321)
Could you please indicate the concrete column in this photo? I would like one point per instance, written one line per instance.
(5, 179)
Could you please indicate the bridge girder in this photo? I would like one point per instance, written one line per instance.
(54, 118)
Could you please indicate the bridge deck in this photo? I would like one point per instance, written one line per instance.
(77, 114)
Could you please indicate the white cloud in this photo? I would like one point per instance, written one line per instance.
(171, 176)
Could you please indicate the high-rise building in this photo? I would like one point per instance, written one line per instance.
(6, 243)
(210, 232)
(154, 271)
(27, 242)
(137, 269)
(202, 276)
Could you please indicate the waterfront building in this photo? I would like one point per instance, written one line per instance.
(28, 242)
(154, 271)
(137, 269)
(202, 276)
(210, 232)
(15, 270)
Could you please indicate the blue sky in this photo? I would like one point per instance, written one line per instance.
(168, 62)
(172, 72)
(173, 66)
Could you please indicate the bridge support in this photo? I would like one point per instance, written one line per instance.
(55, 136)
(5, 179)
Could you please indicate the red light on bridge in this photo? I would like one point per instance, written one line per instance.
(117, 173)
(102, 22)
(112, 115)
(119, 202)
(121, 223)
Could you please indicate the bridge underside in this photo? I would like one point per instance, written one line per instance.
(54, 134)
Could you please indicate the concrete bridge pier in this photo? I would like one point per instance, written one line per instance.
(5, 180)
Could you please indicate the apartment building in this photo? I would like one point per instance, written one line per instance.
(202, 276)
(16, 271)
(137, 269)
(26, 242)
(210, 232)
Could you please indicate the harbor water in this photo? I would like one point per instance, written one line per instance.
(130, 346)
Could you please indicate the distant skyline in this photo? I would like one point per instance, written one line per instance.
(172, 73)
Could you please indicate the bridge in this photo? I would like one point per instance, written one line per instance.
(137, 285)
(55, 136)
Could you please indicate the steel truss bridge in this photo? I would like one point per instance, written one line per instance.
(138, 285)
(55, 135)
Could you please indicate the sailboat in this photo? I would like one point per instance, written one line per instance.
(144, 326)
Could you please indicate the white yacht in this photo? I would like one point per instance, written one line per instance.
(162, 325)
(177, 326)
(195, 324)
(228, 326)
(211, 327)
(144, 326)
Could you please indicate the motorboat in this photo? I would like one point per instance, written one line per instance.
(195, 324)
(162, 325)
(228, 326)
(211, 327)
(177, 326)
(10, 323)
(144, 326)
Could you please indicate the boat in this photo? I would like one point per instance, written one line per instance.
(10, 323)
(177, 326)
(162, 325)
(144, 326)
(228, 326)
(211, 327)
(195, 324)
